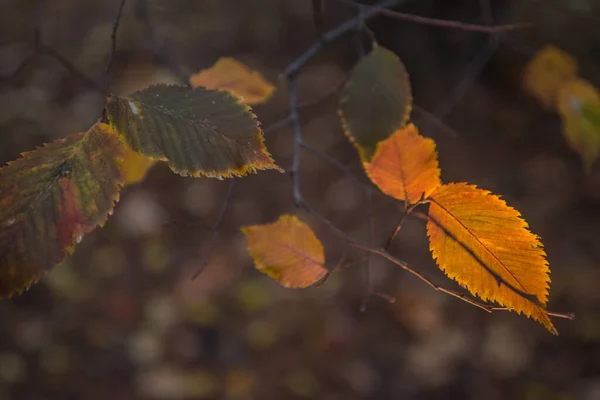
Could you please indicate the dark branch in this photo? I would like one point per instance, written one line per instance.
(335, 33)
(113, 40)
(439, 22)
(216, 228)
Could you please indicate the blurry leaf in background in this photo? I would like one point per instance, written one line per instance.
(485, 245)
(376, 100)
(135, 166)
(579, 108)
(546, 72)
(50, 197)
(405, 166)
(197, 131)
(235, 77)
(288, 251)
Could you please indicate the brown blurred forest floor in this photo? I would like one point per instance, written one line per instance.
(122, 319)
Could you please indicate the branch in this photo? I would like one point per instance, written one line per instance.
(216, 228)
(335, 33)
(52, 53)
(439, 22)
(113, 39)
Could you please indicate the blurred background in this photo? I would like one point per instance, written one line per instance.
(123, 318)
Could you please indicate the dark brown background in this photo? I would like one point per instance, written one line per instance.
(122, 319)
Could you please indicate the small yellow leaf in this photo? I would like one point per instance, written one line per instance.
(237, 78)
(135, 165)
(288, 251)
(405, 166)
(579, 108)
(485, 245)
(546, 72)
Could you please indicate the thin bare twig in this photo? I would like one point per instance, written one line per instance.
(43, 49)
(295, 120)
(405, 214)
(216, 228)
(440, 22)
(317, 11)
(371, 235)
(20, 68)
(113, 40)
(473, 69)
(333, 34)
(435, 120)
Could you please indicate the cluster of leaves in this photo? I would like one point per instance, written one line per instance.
(552, 77)
(475, 238)
(53, 195)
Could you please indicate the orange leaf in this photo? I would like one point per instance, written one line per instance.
(237, 78)
(288, 251)
(486, 246)
(546, 72)
(405, 166)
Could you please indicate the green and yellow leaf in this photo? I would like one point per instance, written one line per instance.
(546, 72)
(235, 77)
(405, 166)
(485, 245)
(376, 101)
(197, 131)
(50, 197)
(579, 108)
(288, 251)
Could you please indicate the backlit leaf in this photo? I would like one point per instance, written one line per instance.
(135, 165)
(197, 131)
(579, 108)
(50, 197)
(288, 251)
(232, 75)
(546, 72)
(485, 245)
(405, 166)
(376, 101)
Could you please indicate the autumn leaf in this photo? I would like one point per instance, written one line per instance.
(288, 251)
(546, 72)
(579, 108)
(197, 131)
(135, 165)
(235, 77)
(405, 166)
(376, 101)
(50, 197)
(485, 245)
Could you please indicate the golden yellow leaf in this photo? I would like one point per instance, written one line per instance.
(232, 75)
(288, 251)
(579, 108)
(135, 165)
(546, 72)
(485, 245)
(405, 166)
